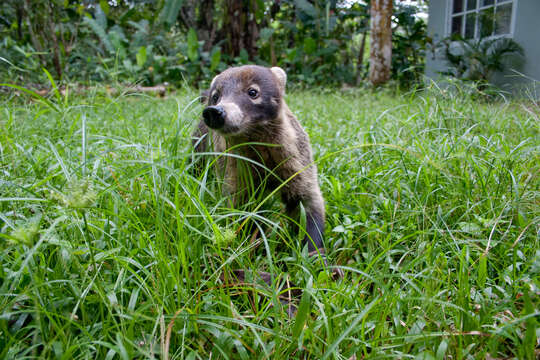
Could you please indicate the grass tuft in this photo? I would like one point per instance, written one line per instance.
(112, 248)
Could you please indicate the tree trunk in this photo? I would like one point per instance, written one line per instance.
(20, 13)
(240, 27)
(380, 59)
(55, 46)
(206, 25)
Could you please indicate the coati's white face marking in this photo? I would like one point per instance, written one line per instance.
(245, 99)
(213, 81)
(235, 116)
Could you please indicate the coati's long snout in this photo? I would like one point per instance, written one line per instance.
(227, 117)
(214, 117)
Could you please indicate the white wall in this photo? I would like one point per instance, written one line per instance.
(526, 33)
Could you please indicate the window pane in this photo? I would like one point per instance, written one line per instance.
(471, 4)
(503, 18)
(458, 6)
(470, 21)
(456, 24)
(486, 22)
(487, 2)
(503, 1)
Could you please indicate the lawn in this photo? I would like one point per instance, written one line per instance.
(112, 248)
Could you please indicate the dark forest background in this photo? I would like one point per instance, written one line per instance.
(189, 41)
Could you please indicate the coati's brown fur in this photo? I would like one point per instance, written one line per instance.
(246, 105)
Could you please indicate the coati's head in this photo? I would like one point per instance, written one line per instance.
(243, 98)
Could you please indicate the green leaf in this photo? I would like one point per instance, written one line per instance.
(13, 65)
(303, 312)
(244, 56)
(332, 348)
(266, 33)
(133, 299)
(58, 349)
(101, 18)
(302, 221)
(121, 347)
(306, 7)
(529, 341)
(53, 84)
(170, 11)
(482, 270)
(309, 45)
(291, 54)
(100, 32)
(110, 354)
(104, 5)
(242, 352)
(417, 327)
(424, 355)
(34, 94)
(441, 350)
(259, 12)
(470, 227)
(193, 45)
(141, 56)
(214, 60)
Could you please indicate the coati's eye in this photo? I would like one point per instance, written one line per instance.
(253, 93)
(215, 97)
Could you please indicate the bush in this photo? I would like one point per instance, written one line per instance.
(317, 42)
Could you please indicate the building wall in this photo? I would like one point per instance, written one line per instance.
(526, 33)
(436, 31)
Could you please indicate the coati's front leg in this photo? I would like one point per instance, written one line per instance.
(314, 207)
(314, 220)
(314, 226)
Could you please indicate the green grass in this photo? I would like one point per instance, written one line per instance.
(110, 248)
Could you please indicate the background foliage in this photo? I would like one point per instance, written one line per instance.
(476, 60)
(177, 41)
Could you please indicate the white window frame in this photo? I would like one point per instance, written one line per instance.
(449, 15)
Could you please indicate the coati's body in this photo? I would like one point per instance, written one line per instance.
(246, 105)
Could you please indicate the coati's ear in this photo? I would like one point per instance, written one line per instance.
(281, 76)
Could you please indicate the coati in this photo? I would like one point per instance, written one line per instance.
(246, 105)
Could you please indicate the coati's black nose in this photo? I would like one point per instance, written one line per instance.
(214, 117)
